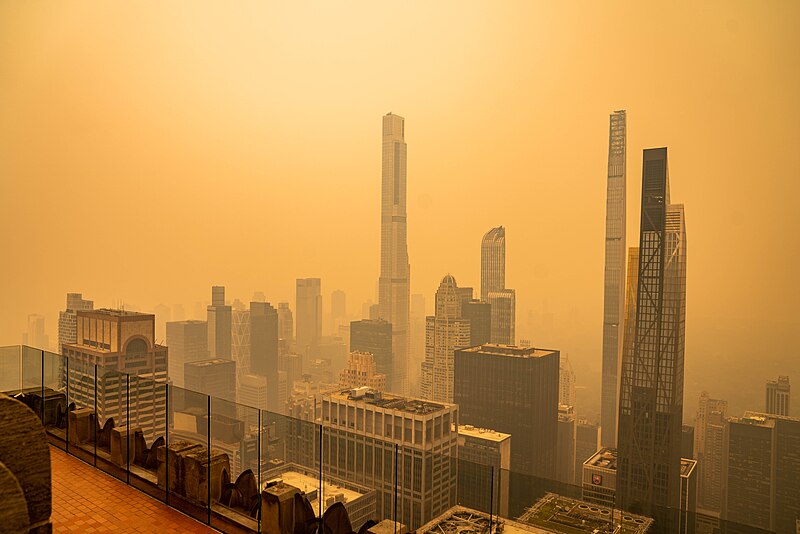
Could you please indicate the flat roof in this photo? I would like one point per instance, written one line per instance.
(391, 402)
(308, 484)
(605, 458)
(460, 519)
(513, 351)
(108, 312)
(209, 362)
(482, 433)
(562, 515)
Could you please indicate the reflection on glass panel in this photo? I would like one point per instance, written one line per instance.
(10, 370)
(145, 431)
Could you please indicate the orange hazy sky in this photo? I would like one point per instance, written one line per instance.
(151, 149)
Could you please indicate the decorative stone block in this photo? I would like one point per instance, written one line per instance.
(80, 426)
(171, 462)
(122, 445)
(202, 476)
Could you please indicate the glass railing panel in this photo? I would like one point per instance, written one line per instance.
(187, 464)
(81, 403)
(55, 398)
(10, 370)
(113, 409)
(290, 456)
(32, 380)
(235, 467)
(146, 433)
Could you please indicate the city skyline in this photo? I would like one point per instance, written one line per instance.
(516, 157)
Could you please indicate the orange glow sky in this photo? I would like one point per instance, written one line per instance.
(149, 150)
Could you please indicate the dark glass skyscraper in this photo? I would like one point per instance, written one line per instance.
(614, 279)
(651, 391)
(374, 336)
(479, 314)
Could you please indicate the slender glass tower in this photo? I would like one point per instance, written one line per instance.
(614, 280)
(393, 285)
(651, 388)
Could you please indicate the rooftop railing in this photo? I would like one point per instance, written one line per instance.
(211, 458)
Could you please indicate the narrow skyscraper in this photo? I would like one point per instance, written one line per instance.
(614, 279)
(309, 316)
(651, 392)
(393, 285)
(493, 261)
(219, 325)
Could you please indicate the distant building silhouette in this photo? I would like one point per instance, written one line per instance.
(566, 379)
(285, 324)
(493, 261)
(374, 337)
(393, 285)
(778, 396)
(308, 316)
(479, 314)
(614, 279)
(444, 332)
(338, 310)
(709, 439)
(566, 443)
(264, 348)
(651, 392)
(215, 377)
(219, 325)
(35, 335)
(503, 309)
(187, 342)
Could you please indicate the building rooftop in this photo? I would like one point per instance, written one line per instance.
(389, 401)
(687, 466)
(563, 515)
(108, 312)
(509, 350)
(461, 520)
(310, 486)
(482, 433)
(605, 458)
(209, 362)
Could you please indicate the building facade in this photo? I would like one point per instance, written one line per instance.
(651, 392)
(503, 309)
(187, 342)
(68, 319)
(394, 282)
(565, 446)
(309, 316)
(778, 396)
(493, 262)
(386, 442)
(709, 444)
(444, 332)
(110, 345)
(479, 314)
(219, 325)
(375, 337)
(614, 276)
(484, 462)
(362, 371)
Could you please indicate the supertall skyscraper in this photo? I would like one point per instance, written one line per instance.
(614, 280)
(493, 262)
(393, 285)
(651, 392)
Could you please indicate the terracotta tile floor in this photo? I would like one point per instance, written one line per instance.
(87, 500)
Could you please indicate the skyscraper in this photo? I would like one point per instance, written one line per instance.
(361, 371)
(493, 261)
(566, 444)
(215, 377)
(503, 310)
(309, 316)
(709, 433)
(614, 279)
(187, 342)
(566, 382)
(778, 396)
(393, 285)
(444, 332)
(762, 471)
(513, 390)
(240, 340)
(35, 335)
(374, 337)
(338, 310)
(264, 348)
(219, 325)
(479, 314)
(416, 342)
(651, 392)
(68, 321)
(285, 323)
